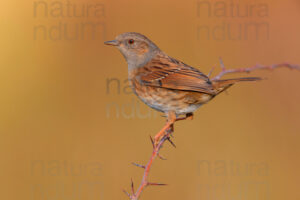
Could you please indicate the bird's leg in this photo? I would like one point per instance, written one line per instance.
(168, 127)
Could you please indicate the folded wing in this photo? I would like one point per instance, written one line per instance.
(166, 72)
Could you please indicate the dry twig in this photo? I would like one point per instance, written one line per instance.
(250, 69)
(155, 153)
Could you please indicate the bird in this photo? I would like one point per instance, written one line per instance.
(165, 83)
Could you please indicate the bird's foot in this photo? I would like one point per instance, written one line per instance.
(188, 116)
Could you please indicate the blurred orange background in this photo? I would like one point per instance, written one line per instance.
(70, 127)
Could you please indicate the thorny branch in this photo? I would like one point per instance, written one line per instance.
(250, 69)
(156, 148)
(155, 153)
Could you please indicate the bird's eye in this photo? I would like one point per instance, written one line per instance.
(131, 41)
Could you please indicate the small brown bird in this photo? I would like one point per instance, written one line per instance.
(164, 83)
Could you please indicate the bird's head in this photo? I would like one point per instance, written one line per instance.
(135, 47)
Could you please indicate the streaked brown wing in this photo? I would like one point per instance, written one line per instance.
(166, 72)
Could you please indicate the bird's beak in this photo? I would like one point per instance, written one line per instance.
(112, 42)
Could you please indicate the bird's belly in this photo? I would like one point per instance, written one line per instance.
(165, 100)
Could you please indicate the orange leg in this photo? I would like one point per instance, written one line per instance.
(169, 125)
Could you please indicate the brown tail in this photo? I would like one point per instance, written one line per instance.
(222, 85)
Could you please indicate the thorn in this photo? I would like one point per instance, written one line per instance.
(135, 164)
(169, 139)
(132, 186)
(210, 72)
(127, 193)
(221, 63)
(162, 158)
(152, 142)
(157, 184)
